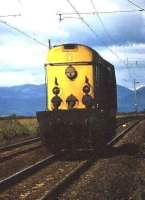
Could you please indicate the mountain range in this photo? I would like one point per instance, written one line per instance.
(27, 99)
(126, 99)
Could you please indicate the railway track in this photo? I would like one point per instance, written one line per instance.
(120, 135)
(19, 144)
(32, 141)
(9, 155)
(75, 173)
(18, 176)
(59, 187)
(14, 150)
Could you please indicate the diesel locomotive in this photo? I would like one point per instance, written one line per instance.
(80, 97)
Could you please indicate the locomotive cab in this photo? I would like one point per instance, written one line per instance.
(81, 98)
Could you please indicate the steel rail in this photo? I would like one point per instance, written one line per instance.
(18, 176)
(76, 173)
(29, 141)
(12, 155)
(67, 180)
(119, 136)
(25, 142)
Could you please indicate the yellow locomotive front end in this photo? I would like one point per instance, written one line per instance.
(69, 77)
(79, 84)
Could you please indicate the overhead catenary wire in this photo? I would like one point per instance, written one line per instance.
(101, 22)
(18, 29)
(102, 12)
(12, 15)
(93, 31)
(23, 33)
(106, 31)
(15, 15)
(136, 5)
(142, 9)
(20, 3)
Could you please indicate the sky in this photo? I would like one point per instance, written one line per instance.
(26, 26)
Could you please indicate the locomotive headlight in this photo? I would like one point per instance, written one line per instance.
(87, 101)
(71, 101)
(56, 101)
(86, 89)
(56, 90)
(71, 72)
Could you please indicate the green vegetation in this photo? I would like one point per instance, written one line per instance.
(13, 129)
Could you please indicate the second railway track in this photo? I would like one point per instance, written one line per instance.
(9, 155)
(75, 173)
(14, 150)
(19, 144)
(67, 178)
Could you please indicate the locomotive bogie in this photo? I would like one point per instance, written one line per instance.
(74, 130)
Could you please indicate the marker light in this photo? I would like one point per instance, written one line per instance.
(56, 101)
(71, 101)
(86, 89)
(56, 90)
(87, 100)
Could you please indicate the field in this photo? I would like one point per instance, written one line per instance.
(15, 129)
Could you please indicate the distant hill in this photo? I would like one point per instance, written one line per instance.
(22, 100)
(123, 94)
(27, 99)
(126, 99)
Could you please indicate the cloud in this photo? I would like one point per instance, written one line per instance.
(121, 30)
(39, 19)
(9, 7)
(23, 77)
(22, 59)
(18, 53)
